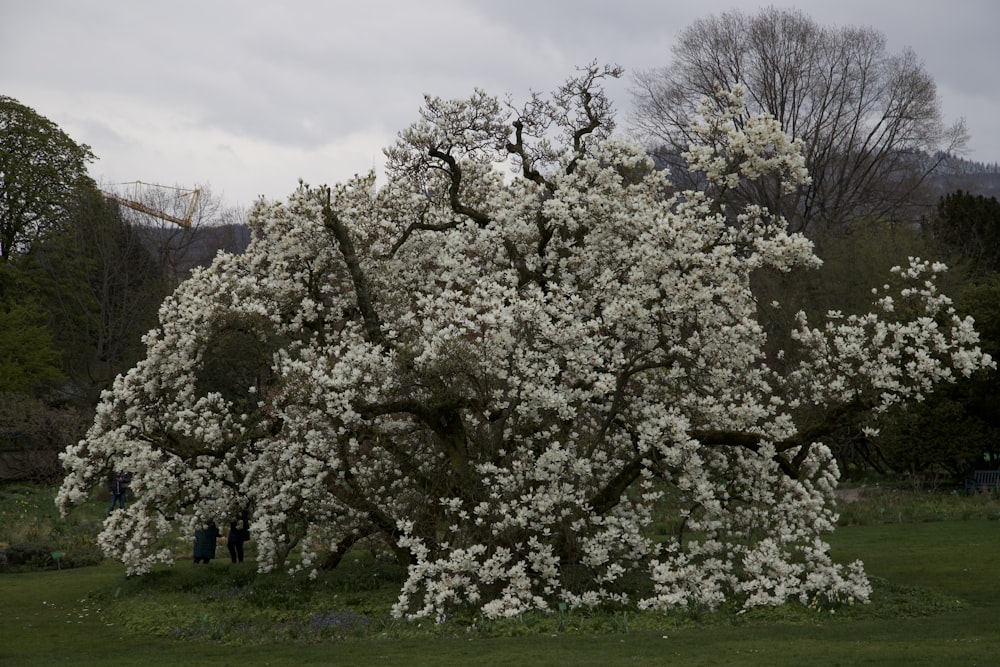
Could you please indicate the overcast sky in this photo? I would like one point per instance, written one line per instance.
(246, 97)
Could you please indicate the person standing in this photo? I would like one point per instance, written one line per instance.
(118, 488)
(205, 542)
(239, 532)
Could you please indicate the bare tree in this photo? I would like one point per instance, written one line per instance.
(870, 121)
(182, 228)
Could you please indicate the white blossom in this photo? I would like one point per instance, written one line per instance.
(507, 379)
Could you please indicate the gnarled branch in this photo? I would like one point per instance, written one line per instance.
(610, 495)
(373, 326)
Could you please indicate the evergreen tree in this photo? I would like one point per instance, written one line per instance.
(969, 226)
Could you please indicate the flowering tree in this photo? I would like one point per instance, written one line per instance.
(505, 378)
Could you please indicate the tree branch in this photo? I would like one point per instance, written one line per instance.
(517, 148)
(444, 419)
(373, 327)
(455, 172)
(610, 495)
(420, 224)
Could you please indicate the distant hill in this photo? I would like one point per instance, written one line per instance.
(977, 178)
(986, 184)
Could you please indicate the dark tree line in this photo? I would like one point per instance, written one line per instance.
(968, 225)
(81, 279)
(958, 427)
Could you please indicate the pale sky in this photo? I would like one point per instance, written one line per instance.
(247, 97)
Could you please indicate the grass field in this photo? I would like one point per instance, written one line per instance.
(937, 602)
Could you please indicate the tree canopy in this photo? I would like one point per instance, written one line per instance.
(969, 226)
(505, 377)
(100, 288)
(41, 172)
(869, 121)
(29, 357)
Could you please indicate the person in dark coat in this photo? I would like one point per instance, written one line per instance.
(118, 488)
(204, 542)
(239, 532)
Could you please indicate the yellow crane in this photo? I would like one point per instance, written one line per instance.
(134, 204)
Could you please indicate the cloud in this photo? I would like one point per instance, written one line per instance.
(235, 93)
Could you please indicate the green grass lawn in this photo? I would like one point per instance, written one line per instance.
(950, 568)
(934, 558)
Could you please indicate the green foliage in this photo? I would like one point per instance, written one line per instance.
(79, 288)
(101, 289)
(982, 301)
(943, 433)
(238, 356)
(71, 307)
(31, 530)
(29, 358)
(935, 586)
(32, 433)
(982, 392)
(957, 429)
(969, 226)
(855, 259)
(917, 500)
(41, 171)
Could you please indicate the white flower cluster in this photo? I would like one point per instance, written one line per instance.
(506, 380)
(914, 341)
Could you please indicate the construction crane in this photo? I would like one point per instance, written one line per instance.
(184, 221)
